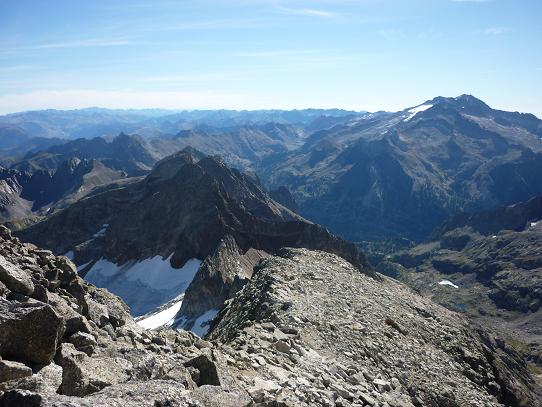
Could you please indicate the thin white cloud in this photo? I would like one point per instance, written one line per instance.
(91, 42)
(278, 53)
(307, 12)
(495, 31)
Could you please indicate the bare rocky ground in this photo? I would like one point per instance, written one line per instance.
(64, 342)
(308, 330)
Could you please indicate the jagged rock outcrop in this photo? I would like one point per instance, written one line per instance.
(220, 276)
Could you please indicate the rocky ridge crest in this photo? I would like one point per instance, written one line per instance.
(308, 329)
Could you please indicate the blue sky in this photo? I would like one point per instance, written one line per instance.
(249, 54)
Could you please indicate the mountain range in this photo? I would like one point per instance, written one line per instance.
(287, 240)
(402, 174)
(367, 177)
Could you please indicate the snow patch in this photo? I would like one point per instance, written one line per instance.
(448, 282)
(415, 110)
(162, 318)
(146, 284)
(102, 231)
(201, 325)
(533, 224)
(69, 255)
(82, 266)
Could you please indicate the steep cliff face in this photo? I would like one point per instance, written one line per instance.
(220, 276)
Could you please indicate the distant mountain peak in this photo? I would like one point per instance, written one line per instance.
(465, 102)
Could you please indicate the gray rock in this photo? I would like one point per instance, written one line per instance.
(14, 278)
(261, 389)
(282, 346)
(13, 370)
(83, 342)
(382, 385)
(140, 394)
(96, 312)
(46, 380)
(367, 399)
(20, 398)
(29, 331)
(205, 370)
(83, 375)
(73, 320)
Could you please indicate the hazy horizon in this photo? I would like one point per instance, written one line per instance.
(166, 111)
(268, 54)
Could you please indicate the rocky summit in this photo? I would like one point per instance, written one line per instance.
(307, 330)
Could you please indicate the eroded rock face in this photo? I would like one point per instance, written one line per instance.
(220, 276)
(308, 330)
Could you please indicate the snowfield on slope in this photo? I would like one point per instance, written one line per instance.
(144, 285)
(164, 317)
(415, 110)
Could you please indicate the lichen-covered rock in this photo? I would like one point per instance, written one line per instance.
(29, 331)
(14, 278)
(13, 370)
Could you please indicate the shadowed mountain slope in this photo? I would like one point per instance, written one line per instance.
(402, 174)
(183, 210)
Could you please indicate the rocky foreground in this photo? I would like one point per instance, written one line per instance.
(308, 330)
